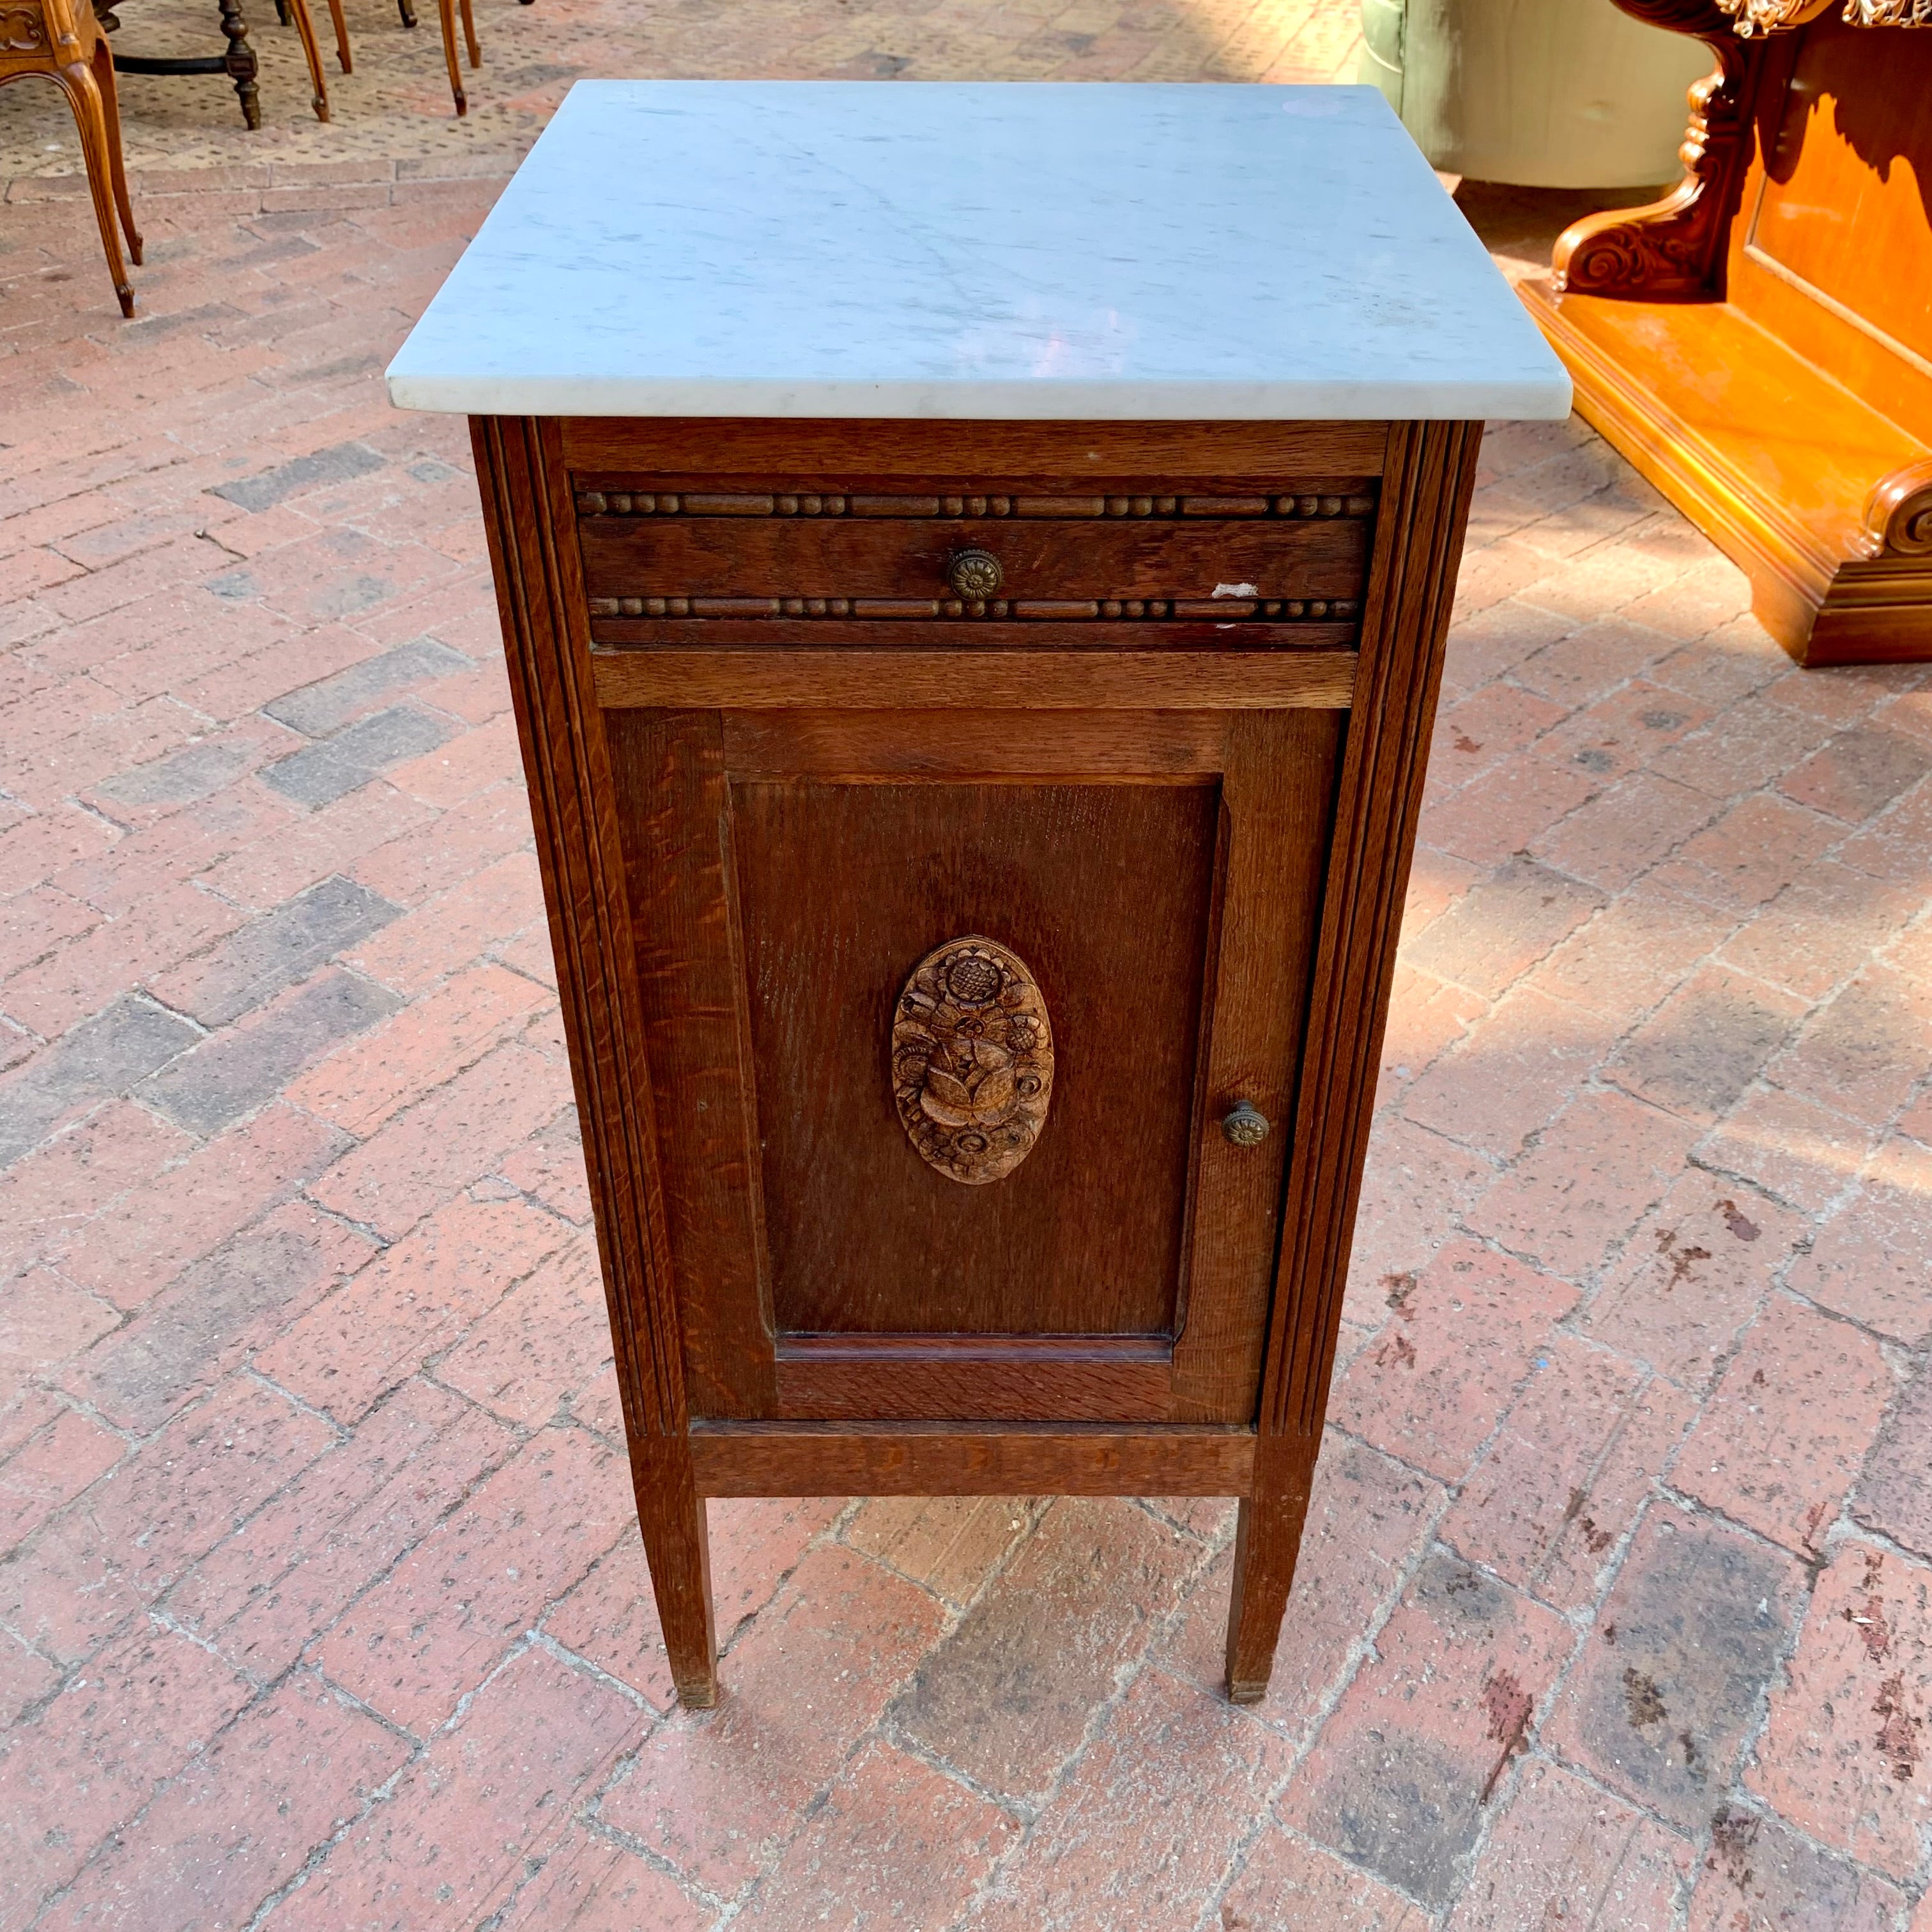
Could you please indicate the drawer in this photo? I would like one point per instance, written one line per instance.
(1276, 559)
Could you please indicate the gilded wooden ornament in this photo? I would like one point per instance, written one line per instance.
(1773, 17)
(1889, 13)
(972, 1060)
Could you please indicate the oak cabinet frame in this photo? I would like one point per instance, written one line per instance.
(645, 729)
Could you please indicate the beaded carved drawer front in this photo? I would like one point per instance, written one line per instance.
(1283, 566)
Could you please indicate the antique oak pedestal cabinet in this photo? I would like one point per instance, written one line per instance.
(974, 562)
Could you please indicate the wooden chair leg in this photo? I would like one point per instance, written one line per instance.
(408, 13)
(240, 61)
(83, 94)
(469, 36)
(446, 10)
(117, 164)
(1268, 1539)
(312, 53)
(342, 54)
(677, 1544)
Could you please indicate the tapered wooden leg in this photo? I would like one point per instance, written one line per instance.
(671, 1514)
(312, 53)
(117, 165)
(1268, 1539)
(469, 36)
(341, 26)
(446, 9)
(83, 93)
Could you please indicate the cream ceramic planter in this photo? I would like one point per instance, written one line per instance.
(1543, 93)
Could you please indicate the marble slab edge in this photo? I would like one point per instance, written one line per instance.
(1387, 401)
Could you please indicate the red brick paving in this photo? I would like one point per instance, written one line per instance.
(1568, 1853)
(320, 1598)
(1847, 1754)
(1401, 1778)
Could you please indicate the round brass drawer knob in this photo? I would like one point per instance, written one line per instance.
(974, 574)
(1246, 1126)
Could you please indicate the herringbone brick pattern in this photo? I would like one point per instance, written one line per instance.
(320, 1603)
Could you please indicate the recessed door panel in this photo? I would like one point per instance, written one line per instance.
(1105, 892)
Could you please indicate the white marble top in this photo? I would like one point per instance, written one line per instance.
(804, 248)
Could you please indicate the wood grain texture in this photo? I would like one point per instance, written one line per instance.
(737, 452)
(668, 781)
(938, 680)
(1837, 209)
(1268, 1546)
(1105, 891)
(1199, 854)
(1428, 487)
(1703, 412)
(1277, 799)
(864, 747)
(1001, 1378)
(1411, 587)
(860, 558)
(939, 1459)
(64, 42)
(574, 813)
(677, 1546)
(1775, 391)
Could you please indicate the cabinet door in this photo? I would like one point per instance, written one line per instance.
(1004, 1194)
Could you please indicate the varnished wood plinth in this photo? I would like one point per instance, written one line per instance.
(1777, 463)
(1758, 342)
(1159, 766)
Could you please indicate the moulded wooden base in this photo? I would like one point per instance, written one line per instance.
(938, 1458)
(1771, 459)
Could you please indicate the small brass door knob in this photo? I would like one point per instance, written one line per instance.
(974, 574)
(1246, 1126)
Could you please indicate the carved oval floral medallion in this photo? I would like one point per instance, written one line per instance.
(972, 1060)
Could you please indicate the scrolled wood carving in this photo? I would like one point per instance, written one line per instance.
(21, 30)
(1898, 514)
(972, 1060)
(1672, 250)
